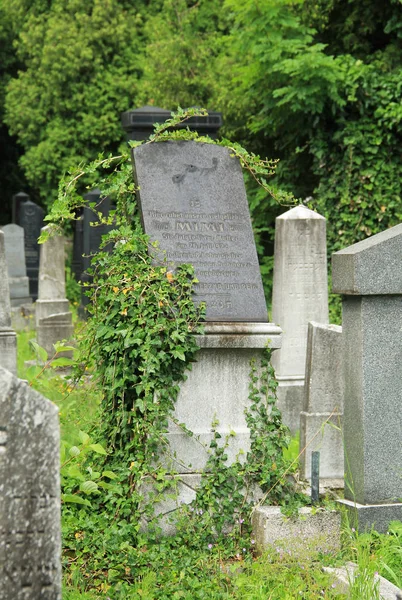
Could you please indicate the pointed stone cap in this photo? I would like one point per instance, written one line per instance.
(300, 212)
(370, 267)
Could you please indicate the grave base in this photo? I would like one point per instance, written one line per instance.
(364, 517)
(326, 439)
(55, 328)
(23, 317)
(45, 308)
(290, 394)
(8, 350)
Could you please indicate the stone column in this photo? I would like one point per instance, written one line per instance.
(8, 338)
(53, 317)
(323, 403)
(369, 275)
(300, 295)
(17, 271)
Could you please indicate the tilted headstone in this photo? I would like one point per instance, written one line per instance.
(193, 201)
(369, 276)
(30, 532)
(321, 418)
(31, 219)
(52, 299)
(17, 272)
(8, 338)
(300, 295)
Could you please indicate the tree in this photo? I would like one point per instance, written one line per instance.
(80, 69)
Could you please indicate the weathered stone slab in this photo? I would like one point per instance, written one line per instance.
(193, 202)
(55, 328)
(31, 219)
(17, 272)
(372, 309)
(323, 402)
(300, 295)
(30, 534)
(8, 338)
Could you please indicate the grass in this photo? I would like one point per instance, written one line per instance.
(180, 572)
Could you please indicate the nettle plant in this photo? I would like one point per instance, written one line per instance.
(138, 342)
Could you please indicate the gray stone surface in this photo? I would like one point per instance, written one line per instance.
(372, 266)
(52, 277)
(323, 397)
(344, 576)
(364, 517)
(372, 372)
(318, 529)
(17, 272)
(216, 389)
(193, 201)
(30, 217)
(30, 535)
(300, 295)
(23, 317)
(55, 328)
(8, 338)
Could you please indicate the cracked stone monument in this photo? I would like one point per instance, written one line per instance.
(369, 277)
(53, 316)
(8, 338)
(323, 404)
(30, 531)
(193, 201)
(300, 295)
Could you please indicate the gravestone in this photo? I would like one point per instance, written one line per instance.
(77, 265)
(300, 295)
(52, 301)
(30, 531)
(17, 200)
(92, 233)
(369, 276)
(323, 403)
(139, 123)
(15, 257)
(8, 338)
(193, 201)
(31, 219)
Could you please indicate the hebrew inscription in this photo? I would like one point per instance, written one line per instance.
(193, 202)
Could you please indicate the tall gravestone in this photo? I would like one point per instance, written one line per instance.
(369, 276)
(300, 295)
(17, 200)
(30, 531)
(31, 219)
(53, 316)
(193, 202)
(8, 338)
(77, 265)
(321, 418)
(17, 272)
(92, 231)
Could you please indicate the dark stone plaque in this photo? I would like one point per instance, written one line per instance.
(77, 265)
(193, 201)
(31, 219)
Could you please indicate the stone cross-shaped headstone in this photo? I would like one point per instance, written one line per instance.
(30, 533)
(369, 276)
(193, 202)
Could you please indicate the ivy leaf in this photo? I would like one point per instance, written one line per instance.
(98, 448)
(75, 499)
(89, 487)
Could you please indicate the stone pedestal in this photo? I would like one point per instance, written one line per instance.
(300, 295)
(53, 318)
(321, 418)
(8, 338)
(369, 275)
(216, 391)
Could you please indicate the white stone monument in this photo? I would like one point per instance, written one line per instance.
(300, 295)
(321, 418)
(369, 276)
(53, 317)
(8, 338)
(17, 271)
